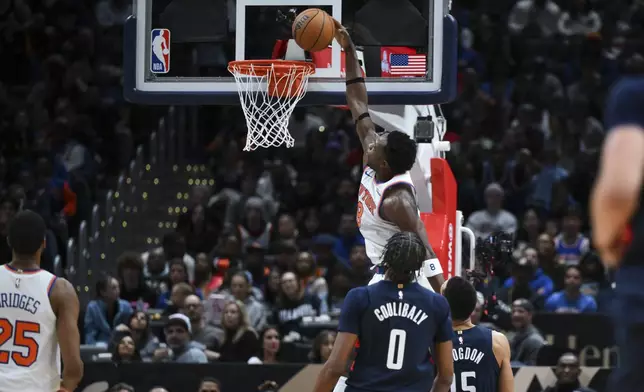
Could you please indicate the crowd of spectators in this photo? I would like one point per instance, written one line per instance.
(274, 245)
(65, 130)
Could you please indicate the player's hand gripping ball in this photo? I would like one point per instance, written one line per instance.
(313, 30)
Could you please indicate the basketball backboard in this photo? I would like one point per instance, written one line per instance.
(176, 51)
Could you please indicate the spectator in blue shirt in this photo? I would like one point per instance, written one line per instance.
(526, 271)
(105, 312)
(571, 299)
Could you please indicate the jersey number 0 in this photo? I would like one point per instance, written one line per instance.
(17, 332)
(396, 352)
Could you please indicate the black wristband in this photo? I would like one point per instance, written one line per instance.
(356, 80)
(362, 117)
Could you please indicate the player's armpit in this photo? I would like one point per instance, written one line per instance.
(336, 365)
(64, 302)
(501, 348)
(444, 367)
(617, 189)
(399, 207)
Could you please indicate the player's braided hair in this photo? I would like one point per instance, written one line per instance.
(403, 256)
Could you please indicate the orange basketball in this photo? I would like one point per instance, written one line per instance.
(313, 30)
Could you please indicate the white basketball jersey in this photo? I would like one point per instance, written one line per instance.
(29, 355)
(375, 230)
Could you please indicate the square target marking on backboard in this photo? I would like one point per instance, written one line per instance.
(407, 47)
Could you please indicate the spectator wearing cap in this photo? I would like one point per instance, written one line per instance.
(178, 332)
(241, 289)
(493, 218)
(528, 281)
(526, 341)
(571, 245)
(571, 299)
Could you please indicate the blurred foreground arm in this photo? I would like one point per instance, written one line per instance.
(616, 194)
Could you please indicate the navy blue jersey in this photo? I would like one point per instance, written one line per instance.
(396, 329)
(475, 366)
(625, 106)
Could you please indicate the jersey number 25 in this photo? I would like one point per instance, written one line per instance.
(17, 332)
(465, 387)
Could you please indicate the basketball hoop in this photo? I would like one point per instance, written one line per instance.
(268, 92)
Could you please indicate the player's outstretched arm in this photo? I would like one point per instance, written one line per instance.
(399, 207)
(501, 348)
(64, 302)
(356, 90)
(616, 194)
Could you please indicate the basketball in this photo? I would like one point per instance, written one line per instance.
(313, 30)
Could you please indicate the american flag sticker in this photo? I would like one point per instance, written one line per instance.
(408, 64)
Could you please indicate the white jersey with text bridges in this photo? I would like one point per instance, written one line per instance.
(29, 354)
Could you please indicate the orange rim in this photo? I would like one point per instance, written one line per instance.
(265, 67)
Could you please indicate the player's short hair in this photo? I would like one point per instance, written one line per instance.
(461, 296)
(403, 255)
(400, 152)
(27, 232)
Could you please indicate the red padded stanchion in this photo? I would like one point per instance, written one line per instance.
(440, 224)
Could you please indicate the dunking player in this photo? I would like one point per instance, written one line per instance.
(617, 214)
(399, 323)
(386, 200)
(481, 356)
(38, 313)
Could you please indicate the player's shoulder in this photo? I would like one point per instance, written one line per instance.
(500, 344)
(62, 290)
(624, 103)
(359, 293)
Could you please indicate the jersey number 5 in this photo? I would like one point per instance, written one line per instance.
(465, 387)
(396, 352)
(17, 332)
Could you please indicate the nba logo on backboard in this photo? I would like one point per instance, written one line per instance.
(160, 53)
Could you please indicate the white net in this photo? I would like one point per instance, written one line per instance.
(269, 90)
